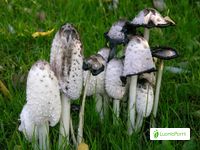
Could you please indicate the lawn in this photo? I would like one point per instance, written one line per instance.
(180, 92)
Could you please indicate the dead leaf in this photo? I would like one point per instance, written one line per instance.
(37, 34)
(4, 90)
(83, 146)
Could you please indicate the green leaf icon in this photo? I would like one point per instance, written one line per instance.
(155, 134)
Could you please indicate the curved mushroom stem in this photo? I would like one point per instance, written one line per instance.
(43, 133)
(64, 121)
(146, 34)
(116, 110)
(131, 105)
(157, 93)
(139, 122)
(81, 114)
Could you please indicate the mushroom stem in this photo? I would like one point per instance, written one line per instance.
(81, 114)
(146, 34)
(132, 102)
(157, 93)
(72, 132)
(116, 110)
(99, 105)
(43, 132)
(64, 121)
(139, 121)
(106, 100)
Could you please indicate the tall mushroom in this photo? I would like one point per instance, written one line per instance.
(137, 60)
(145, 97)
(93, 66)
(163, 53)
(66, 61)
(43, 107)
(114, 86)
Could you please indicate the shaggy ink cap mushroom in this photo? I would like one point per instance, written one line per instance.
(95, 64)
(165, 53)
(67, 60)
(150, 18)
(43, 99)
(138, 58)
(113, 85)
(117, 35)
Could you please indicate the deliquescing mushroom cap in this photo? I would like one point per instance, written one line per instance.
(116, 34)
(97, 82)
(43, 99)
(144, 99)
(149, 18)
(113, 84)
(138, 58)
(165, 53)
(67, 60)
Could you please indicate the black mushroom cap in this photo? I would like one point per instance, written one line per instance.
(95, 64)
(165, 53)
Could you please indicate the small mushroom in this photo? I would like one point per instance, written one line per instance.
(163, 53)
(145, 97)
(114, 86)
(138, 60)
(96, 83)
(149, 18)
(43, 107)
(66, 61)
(116, 36)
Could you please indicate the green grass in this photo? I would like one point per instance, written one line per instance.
(180, 93)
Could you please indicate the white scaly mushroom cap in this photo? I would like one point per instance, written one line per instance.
(150, 15)
(113, 83)
(96, 84)
(66, 61)
(150, 77)
(144, 101)
(115, 31)
(138, 58)
(43, 98)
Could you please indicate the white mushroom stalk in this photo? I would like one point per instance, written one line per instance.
(145, 97)
(150, 18)
(114, 86)
(95, 65)
(43, 107)
(163, 53)
(137, 60)
(66, 61)
(96, 85)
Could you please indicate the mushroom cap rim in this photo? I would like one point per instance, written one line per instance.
(161, 48)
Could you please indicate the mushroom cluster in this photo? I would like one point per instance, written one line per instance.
(52, 87)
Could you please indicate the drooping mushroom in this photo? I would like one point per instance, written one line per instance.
(43, 107)
(138, 60)
(163, 53)
(93, 66)
(145, 97)
(114, 86)
(96, 84)
(117, 35)
(66, 61)
(149, 18)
